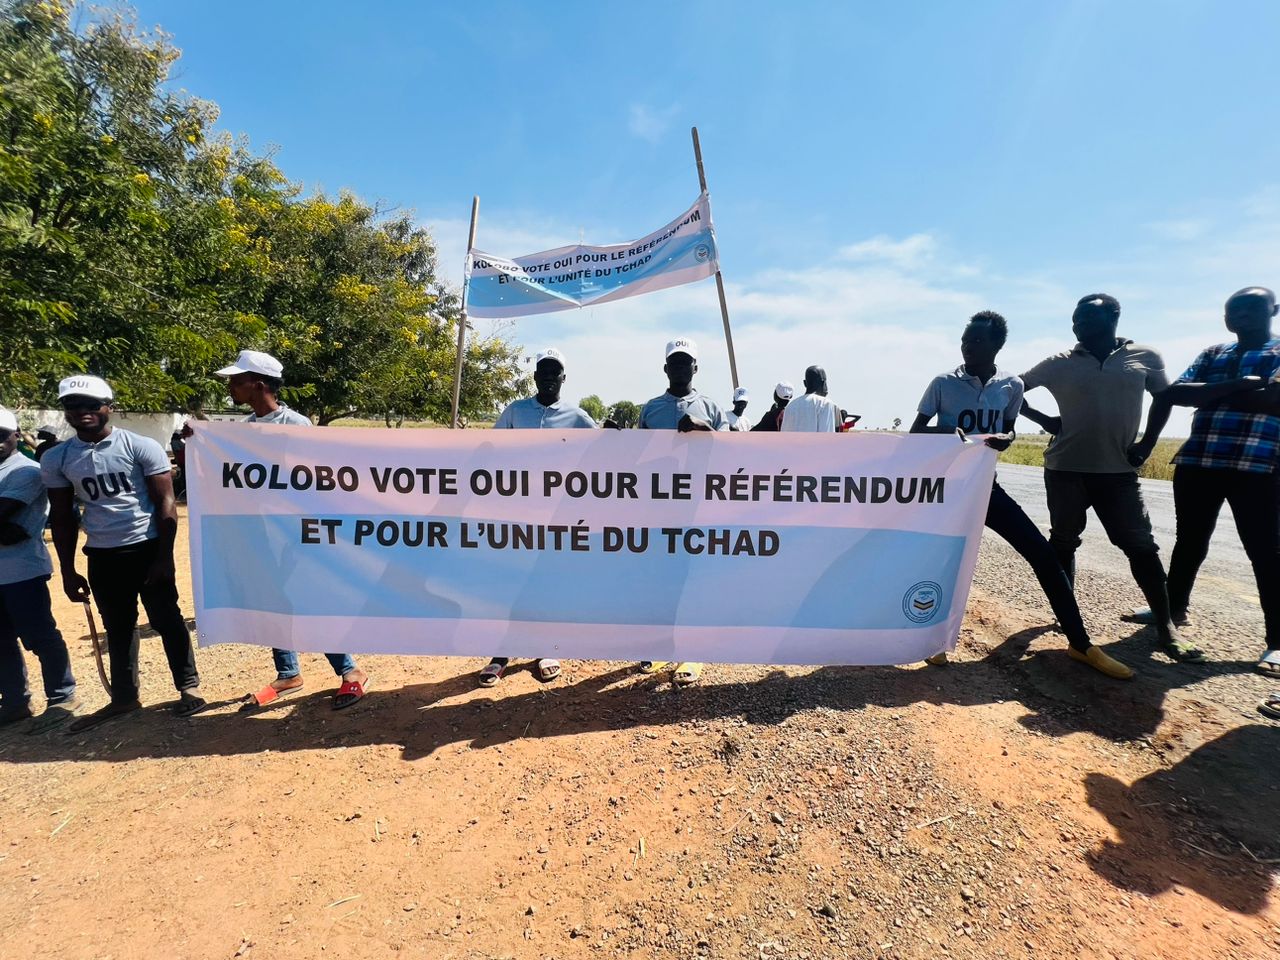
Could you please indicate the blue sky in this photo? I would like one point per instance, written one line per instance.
(877, 173)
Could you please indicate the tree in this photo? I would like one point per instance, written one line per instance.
(897, 422)
(594, 407)
(626, 414)
(89, 142)
(134, 246)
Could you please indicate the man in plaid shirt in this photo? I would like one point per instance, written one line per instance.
(1232, 455)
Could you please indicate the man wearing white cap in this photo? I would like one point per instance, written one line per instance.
(26, 611)
(772, 420)
(736, 419)
(130, 524)
(680, 408)
(543, 411)
(255, 380)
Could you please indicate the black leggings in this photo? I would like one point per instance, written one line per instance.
(1007, 519)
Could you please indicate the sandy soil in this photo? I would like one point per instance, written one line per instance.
(1010, 805)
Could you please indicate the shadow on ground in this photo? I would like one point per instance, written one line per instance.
(1207, 822)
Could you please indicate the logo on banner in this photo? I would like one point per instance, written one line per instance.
(702, 253)
(922, 601)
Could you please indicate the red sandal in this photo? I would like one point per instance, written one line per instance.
(268, 694)
(349, 693)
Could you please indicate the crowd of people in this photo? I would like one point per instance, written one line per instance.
(116, 487)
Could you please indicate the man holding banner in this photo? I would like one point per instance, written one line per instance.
(255, 380)
(543, 411)
(978, 397)
(680, 408)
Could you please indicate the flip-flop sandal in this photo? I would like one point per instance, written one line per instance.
(189, 704)
(1144, 615)
(1184, 651)
(99, 717)
(491, 674)
(649, 667)
(686, 673)
(349, 693)
(268, 694)
(1270, 707)
(1269, 664)
(548, 669)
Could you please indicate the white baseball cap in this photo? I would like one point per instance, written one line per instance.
(82, 385)
(551, 353)
(784, 390)
(740, 394)
(681, 345)
(7, 420)
(252, 361)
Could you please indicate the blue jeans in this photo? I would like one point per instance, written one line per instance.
(26, 613)
(287, 663)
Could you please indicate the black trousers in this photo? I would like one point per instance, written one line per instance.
(1198, 495)
(117, 577)
(1117, 500)
(1007, 519)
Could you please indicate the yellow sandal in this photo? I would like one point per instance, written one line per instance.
(686, 673)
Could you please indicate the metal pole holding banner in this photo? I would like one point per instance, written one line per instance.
(462, 321)
(724, 307)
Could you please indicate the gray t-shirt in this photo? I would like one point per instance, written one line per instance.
(20, 481)
(283, 415)
(959, 399)
(530, 414)
(110, 478)
(666, 411)
(1100, 404)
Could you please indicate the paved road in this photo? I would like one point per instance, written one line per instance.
(1228, 626)
(1226, 571)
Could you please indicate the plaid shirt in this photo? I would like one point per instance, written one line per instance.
(1225, 439)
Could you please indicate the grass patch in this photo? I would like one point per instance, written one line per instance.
(1029, 450)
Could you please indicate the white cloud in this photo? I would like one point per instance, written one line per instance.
(911, 251)
(883, 315)
(651, 123)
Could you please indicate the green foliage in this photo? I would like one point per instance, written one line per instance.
(135, 246)
(625, 414)
(594, 407)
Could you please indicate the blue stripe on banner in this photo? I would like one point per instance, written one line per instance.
(678, 253)
(901, 579)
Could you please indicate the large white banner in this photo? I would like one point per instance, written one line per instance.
(619, 545)
(577, 276)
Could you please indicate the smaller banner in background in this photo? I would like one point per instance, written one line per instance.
(681, 252)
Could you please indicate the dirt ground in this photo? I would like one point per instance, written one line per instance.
(1010, 805)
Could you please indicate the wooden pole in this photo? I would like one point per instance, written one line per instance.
(462, 321)
(724, 307)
